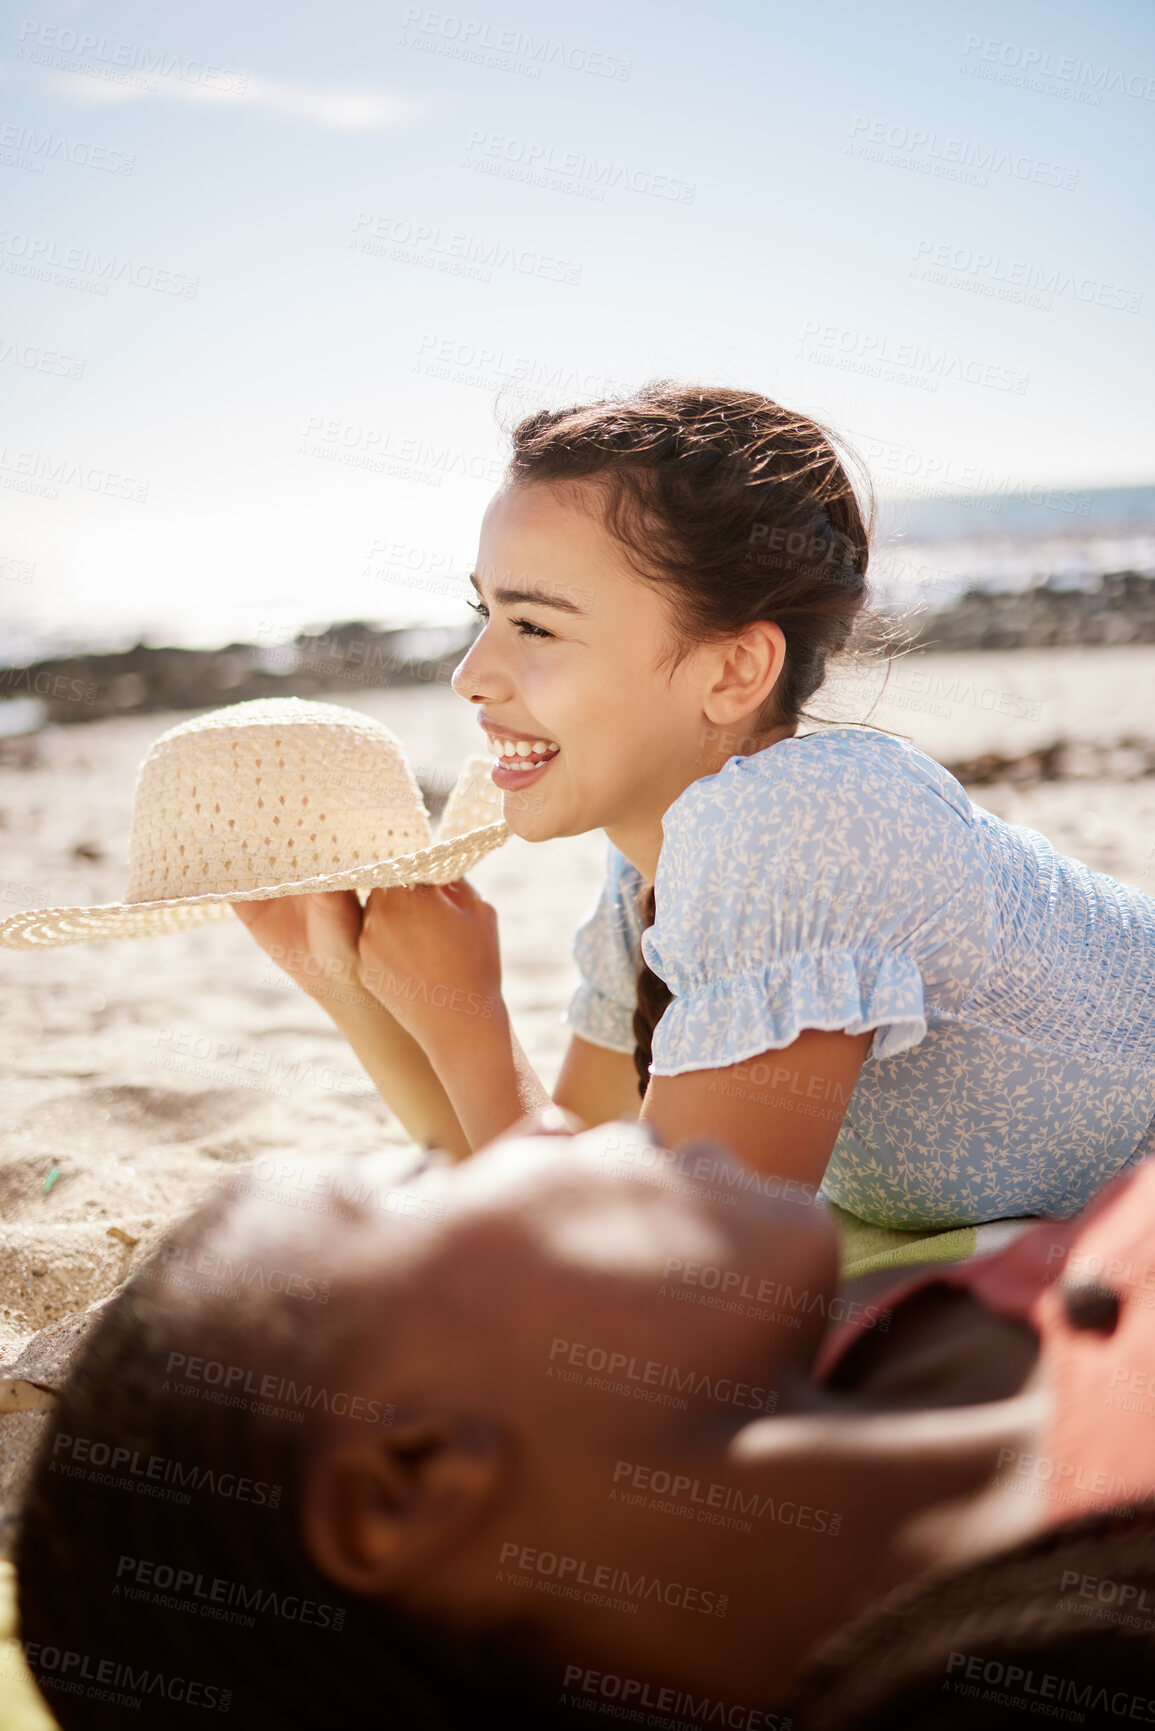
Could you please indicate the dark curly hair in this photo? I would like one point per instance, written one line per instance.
(229, 1612)
(739, 510)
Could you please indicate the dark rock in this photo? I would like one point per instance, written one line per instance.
(141, 680)
(1121, 609)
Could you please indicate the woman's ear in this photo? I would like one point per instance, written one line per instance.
(381, 1507)
(745, 673)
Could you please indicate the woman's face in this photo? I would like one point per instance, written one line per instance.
(577, 668)
(625, 1319)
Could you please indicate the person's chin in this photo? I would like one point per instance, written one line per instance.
(526, 818)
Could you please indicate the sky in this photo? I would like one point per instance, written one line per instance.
(276, 279)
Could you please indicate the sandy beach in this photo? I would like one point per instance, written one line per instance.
(138, 1072)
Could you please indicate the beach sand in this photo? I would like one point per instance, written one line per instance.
(141, 1071)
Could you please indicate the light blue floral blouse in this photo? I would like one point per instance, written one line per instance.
(845, 880)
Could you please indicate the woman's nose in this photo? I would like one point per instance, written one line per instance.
(474, 679)
(464, 683)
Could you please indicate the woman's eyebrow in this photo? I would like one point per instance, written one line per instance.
(539, 597)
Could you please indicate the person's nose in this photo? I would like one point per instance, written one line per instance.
(477, 677)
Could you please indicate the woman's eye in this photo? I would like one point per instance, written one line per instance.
(525, 626)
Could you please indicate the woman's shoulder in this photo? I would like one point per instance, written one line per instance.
(838, 771)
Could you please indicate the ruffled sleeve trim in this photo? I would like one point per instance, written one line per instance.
(600, 1019)
(729, 1020)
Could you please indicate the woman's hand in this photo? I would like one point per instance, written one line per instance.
(314, 939)
(430, 955)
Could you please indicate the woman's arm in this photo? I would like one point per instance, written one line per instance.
(780, 1112)
(314, 938)
(597, 1085)
(402, 1075)
(492, 1084)
(431, 956)
(483, 1082)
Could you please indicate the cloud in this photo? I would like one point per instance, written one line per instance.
(339, 110)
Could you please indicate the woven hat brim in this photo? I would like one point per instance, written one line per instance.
(441, 863)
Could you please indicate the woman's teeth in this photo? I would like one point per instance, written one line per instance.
(517, 754)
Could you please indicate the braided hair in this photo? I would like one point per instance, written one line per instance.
(736, 510)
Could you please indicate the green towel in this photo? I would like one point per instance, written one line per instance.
(865, 1247)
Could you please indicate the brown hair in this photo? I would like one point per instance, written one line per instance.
(743, 511)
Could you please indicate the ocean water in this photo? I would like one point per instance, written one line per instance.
(929, 551)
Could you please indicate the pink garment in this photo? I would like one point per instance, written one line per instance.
(1098, 1447)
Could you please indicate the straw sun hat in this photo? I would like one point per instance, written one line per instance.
(276, 797)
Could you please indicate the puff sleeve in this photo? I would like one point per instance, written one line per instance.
(606, 950)
(833, 881)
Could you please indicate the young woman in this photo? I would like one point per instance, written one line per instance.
(845, 968)
(326, 1499)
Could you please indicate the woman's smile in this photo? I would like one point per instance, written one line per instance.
(521, 757)
(519, 772)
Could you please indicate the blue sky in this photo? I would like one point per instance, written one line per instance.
(265, 268)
